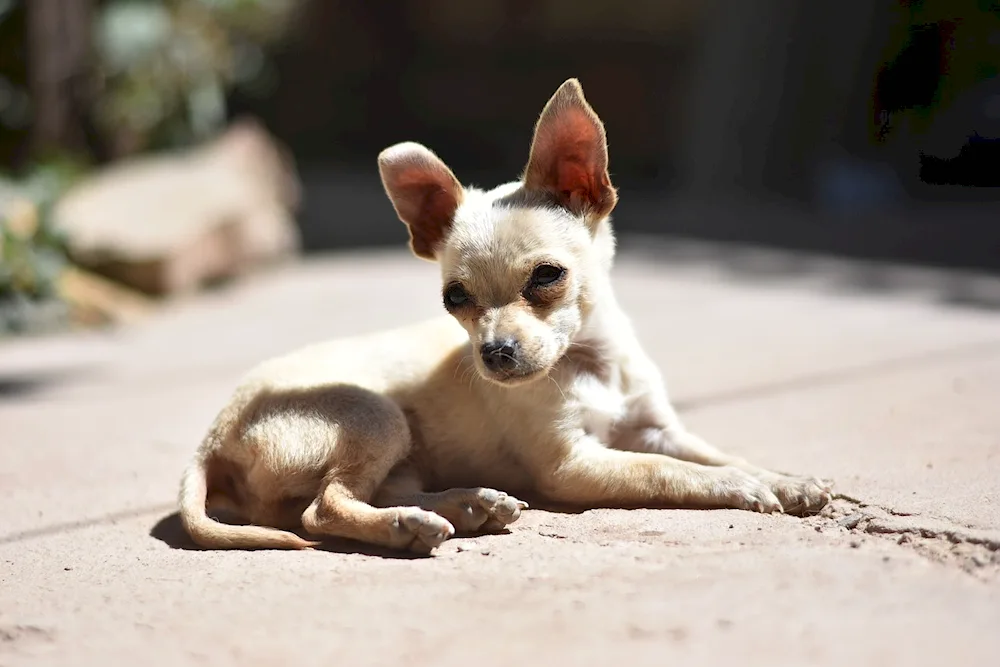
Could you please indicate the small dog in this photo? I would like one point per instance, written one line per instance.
(533, 385)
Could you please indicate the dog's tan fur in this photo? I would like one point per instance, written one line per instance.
(401, 438)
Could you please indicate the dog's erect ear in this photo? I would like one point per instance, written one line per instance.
(423, 191)
(569, 155)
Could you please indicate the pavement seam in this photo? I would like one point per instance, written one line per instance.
(73, 526)
(948, 545)
(81, 392)
(833, 377)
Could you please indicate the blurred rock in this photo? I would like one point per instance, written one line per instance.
(94, 301)
(173, 222)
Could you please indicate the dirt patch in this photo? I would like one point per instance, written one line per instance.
(973, 551)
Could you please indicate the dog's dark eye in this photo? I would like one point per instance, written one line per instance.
(455, 296)
(546, 274)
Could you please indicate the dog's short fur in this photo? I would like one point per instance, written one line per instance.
(534, 384)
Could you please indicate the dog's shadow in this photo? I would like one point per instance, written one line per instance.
(170, 531)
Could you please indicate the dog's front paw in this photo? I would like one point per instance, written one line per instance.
(801, 496)
(489, 510)
(740, 490)
(420, 531)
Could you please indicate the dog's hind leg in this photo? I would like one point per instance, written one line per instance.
(372, 437)
(340, 513)
(472, 510)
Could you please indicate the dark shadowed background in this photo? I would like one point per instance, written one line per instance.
(863, 127)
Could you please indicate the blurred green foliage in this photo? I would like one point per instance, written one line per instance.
(166, 66)
(32, 253)
(161, 71)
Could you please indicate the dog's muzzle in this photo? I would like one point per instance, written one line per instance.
(500, 356)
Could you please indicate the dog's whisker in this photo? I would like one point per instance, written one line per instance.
(462, 366)
(468, 373)
(553, 381)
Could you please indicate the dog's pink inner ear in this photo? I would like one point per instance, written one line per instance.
(424, 192)
(569, 155)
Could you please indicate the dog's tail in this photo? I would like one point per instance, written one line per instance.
(207, 532)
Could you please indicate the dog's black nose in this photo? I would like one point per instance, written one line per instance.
(500, 355)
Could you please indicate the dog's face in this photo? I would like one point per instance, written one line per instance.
(520, 263)
(517, 279)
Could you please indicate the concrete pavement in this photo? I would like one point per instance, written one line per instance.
(888, 390)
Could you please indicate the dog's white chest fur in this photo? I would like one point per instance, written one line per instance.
(600, 406)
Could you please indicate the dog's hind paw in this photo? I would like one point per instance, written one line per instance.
(421, 531)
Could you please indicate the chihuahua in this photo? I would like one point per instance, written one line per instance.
(534, 384)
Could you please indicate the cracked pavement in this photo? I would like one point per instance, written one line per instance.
(879, 384)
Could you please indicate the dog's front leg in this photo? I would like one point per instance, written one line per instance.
(589, 474)
(657, 429)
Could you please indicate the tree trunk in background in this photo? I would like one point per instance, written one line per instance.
(736, 90)
(58, 61)
(779, 84)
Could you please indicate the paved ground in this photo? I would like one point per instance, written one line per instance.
(886, 389)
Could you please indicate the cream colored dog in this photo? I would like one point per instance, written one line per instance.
(535, 384)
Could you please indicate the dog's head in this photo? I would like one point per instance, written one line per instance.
(522, 264)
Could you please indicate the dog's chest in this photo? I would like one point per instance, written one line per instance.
(596, 398)
(599, 406)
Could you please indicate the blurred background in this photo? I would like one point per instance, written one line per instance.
(154, 147)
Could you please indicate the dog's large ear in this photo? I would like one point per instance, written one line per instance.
(569, 156)
(423, 191)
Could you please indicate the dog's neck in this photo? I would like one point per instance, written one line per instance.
(605, 326)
